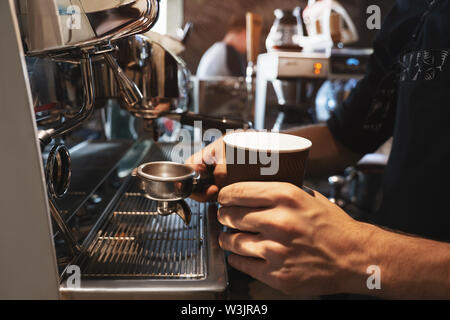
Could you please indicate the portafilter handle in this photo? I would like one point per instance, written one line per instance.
(208, 122)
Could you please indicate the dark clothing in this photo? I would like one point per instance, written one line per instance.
(236, 62)
(222, 60)
(406, 94)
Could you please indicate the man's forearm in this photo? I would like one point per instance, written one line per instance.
(327, 156)
(410, 267)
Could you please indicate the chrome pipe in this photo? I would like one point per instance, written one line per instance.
(46, 136)
(72, 244)
(60, 26)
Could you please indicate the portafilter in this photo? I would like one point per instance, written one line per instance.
(169, 183)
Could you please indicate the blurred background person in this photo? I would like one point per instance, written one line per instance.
(226, 58)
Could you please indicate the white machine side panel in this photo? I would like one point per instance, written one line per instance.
(27, 255)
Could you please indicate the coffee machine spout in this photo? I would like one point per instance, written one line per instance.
(128, 90)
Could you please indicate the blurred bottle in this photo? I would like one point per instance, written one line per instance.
(327, 24)
(286, 31)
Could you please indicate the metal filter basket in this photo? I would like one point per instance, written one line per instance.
(169, 183)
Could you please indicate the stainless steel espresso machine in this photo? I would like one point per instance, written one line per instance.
(87, 70)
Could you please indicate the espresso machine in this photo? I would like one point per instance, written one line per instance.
(88, 213)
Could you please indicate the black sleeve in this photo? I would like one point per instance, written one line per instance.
(366, 119)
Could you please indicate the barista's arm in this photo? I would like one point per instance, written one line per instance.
(327, 155)
(410, 267)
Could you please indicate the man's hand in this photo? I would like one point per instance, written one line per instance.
(295, 242)
(210, 160)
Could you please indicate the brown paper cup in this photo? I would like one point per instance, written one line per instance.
(266, 156)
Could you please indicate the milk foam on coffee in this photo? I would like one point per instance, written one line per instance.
(267, 141)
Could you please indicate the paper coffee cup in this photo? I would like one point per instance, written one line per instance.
(266, 156)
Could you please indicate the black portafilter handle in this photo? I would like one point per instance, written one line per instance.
(208, 122)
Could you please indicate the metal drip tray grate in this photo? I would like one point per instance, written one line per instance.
(135, 242)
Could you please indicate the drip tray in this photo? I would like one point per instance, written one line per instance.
(137, 242)
(136, 253)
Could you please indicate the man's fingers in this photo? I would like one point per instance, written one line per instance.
(258, 194)
(244, 219)
(201, 159)
(244, 194)
(216, 152)
(220, 175)
(199, 168)
(243, 244)
(259, 269)
(196, 160)
(213, 154)
(209, 194)
(252, 266)
(202, 162)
